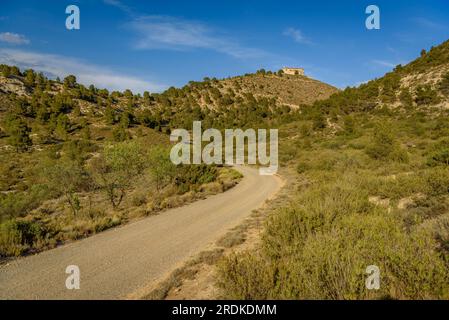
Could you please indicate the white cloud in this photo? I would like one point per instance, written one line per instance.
(392, 50)
(163, 32)
(170, 33)
(429, 24)
(118, 4)
(13, 38)
(296, 35)
(60, 66)
(384, 63)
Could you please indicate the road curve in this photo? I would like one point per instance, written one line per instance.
(119, 262)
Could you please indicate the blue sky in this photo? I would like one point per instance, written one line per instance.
(151, 45)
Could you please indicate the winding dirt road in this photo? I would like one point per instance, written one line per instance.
(121, 261)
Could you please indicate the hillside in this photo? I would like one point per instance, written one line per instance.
(263, 97)
(77, 160)
(290, 90)
(372, 188)
(420, 84)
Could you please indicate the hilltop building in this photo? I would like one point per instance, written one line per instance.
(293, 71)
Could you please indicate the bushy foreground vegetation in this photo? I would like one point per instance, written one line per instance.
(373, 166)
(367, 199)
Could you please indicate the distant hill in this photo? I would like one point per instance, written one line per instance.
(263, 98)
(291, 90)
(422, 83)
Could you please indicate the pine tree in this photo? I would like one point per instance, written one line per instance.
(6, 71)
(125, 120)
(425, 95)
(120, 134)
(85, 133)
(42, 114)
(30, 78)
(14, 71)
(62, 126)
(109, 115)
(69, 81)
(128, 94)
(19, 134)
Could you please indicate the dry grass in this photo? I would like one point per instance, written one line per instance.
(186, 272)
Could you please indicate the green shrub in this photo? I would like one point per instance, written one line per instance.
(161, 168)
(17, 236)
(349, 125)
(191, 176)
(120, 134)
(318, 208)
(9, 174)
(440, 157)
(246, 277)
(425, 95)
(321, 247)
(384, 145)
(18, 204)
(437, 181)
(430, 181)
(116, 168)
(305, 130)
(331, 265)
(400, 155)
(302, 167)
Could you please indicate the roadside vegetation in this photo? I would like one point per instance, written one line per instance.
(64, 199)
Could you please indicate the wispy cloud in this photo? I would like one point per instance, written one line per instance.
(296, 35)
(13, 38)
(172, 33)
(392, 50)
(61, 66)
(384, 63)
(164, 32)
(430, 24)
(118, 4)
